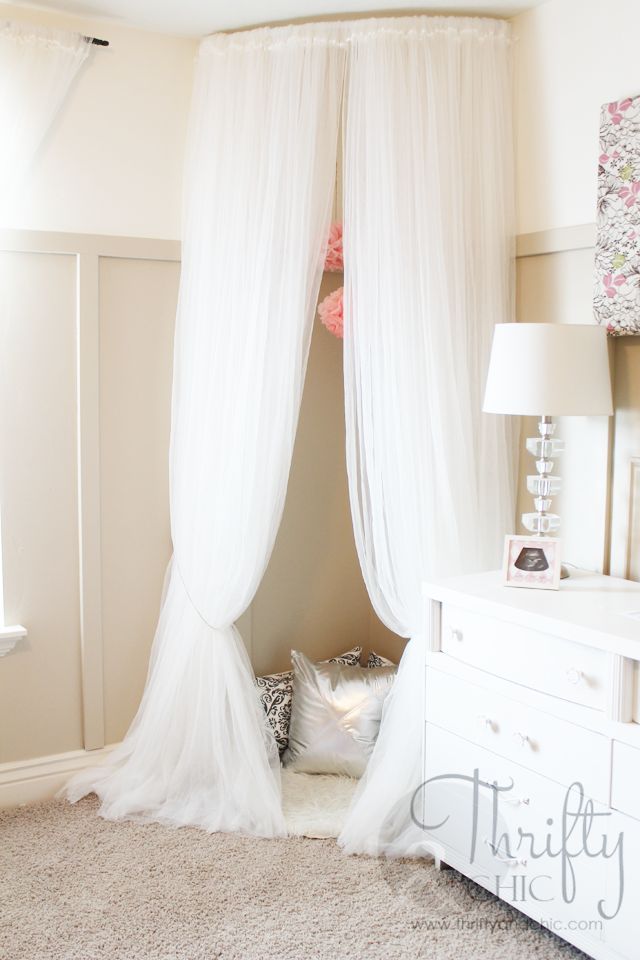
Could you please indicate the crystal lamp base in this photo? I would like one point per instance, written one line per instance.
(544, 485)
(542, 524)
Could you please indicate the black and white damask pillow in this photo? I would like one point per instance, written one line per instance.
(275, 693)
(377, 660)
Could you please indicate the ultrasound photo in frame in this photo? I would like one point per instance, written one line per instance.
(532, 562)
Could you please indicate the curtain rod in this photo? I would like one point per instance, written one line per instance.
(97, 41)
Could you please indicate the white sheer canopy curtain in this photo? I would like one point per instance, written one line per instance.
(428, 272)
(259, 189)
(37, 68)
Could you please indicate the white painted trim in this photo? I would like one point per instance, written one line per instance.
(434, 627)
(9, 636)
(560, 240)
(30, 781)
(89, 501)
(633, 526)
(619, 703)
(127, 248)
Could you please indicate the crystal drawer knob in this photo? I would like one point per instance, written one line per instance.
(510, 861)
(486, 721)
(457, 636)
(522, 738)
(574, 676)
(516, 801)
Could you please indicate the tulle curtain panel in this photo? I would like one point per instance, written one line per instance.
(428, 272)
(259, 191)
(428, 222)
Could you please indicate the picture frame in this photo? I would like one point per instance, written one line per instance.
(532, 562)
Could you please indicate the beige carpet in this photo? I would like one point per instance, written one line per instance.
(73, 887)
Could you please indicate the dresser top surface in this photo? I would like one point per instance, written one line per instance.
(601, 611)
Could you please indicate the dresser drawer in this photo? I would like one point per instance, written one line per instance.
(539, 741)
(511, 839)
(460, 816)
(536, 660)
(625, 783)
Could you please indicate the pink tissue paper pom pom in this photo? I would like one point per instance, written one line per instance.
(330, 312)
(334, 262)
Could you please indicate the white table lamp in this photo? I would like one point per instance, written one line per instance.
(548, 370)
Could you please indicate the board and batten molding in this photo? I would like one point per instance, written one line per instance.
(88, 251)
(559, 240)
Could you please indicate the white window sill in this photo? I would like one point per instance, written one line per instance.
(9, 636)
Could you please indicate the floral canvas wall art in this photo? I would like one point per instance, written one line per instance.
(617, 261)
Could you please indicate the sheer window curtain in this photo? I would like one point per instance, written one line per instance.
(259, 189)
(428, 272)
(37, 68)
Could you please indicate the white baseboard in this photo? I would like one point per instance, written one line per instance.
(29, 781)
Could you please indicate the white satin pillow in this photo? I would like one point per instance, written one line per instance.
(275, 691)
(335, 715)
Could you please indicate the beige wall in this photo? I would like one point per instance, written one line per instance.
(600, 468)
(571, 57)
(112, 163)
(40, 688)
(312, 596)
(137, 310)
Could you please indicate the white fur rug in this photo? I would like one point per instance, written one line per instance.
(316, 805)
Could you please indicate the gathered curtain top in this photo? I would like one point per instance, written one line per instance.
(31, 34)
(343, 33)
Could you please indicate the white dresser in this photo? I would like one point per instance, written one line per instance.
(532, 750)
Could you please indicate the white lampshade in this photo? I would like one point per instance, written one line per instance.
(548, 369)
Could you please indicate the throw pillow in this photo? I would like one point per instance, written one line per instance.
(275, 694)
(377, 660)
(335, 716)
